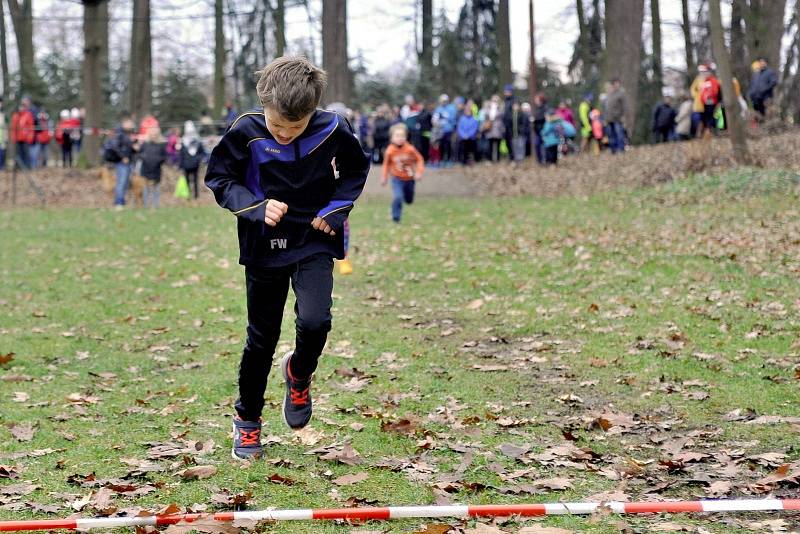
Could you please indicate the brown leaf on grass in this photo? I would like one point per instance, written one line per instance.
(207, 526)
(554, 484)
(347, 480)
(198, 472)
(433, 528)
(404, 426)
(475, 304)
(719, 488)
(275, 478)
(226, 499)
(346, 455)
(787, 473)
(671, 527)
(514, 451)
(20, 396)
(7, 471)
(166, 450)
(482, 528)
(23, 488)
(5, 359)
(22, 431)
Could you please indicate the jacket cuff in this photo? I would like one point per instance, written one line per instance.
(254, 213)
(335, 206)
(336, 219)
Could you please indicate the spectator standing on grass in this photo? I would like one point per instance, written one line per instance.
(380, 133)
(683, 119)
(664, 120)
(43, 137)
(3, 136)
(508, 121)
(467, 133)
(445, 117)
(493, 127)
(152, 155)
(554, 132)
(63, 137)
(527, 110)
(616, 107)
(710, 96)
(403, 164)
(584, 109)
(174, 146)
(424, 129)
(762, 86)
(539, 118)
(191, 155)
(565, 112)
(520, 131)
(120, 151)
(697, 100)
(23, 132)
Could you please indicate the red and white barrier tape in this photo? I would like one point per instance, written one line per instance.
(402, 512)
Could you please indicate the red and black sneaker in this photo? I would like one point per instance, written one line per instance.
(246, 439)
(297, 401)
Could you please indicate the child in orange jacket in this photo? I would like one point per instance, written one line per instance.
(404, 164)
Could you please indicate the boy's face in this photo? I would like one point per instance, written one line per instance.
(399, 136)
(282, 129)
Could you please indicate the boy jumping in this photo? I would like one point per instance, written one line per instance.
(272, 169)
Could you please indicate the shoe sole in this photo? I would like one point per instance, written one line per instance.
(284, 368)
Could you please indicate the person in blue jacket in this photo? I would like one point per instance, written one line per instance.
(272, 169)
(444, 118)
(554, 132)
(467, 133)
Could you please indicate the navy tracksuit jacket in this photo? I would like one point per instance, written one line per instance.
(248, 167)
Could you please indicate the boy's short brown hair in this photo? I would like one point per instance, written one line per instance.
(292, 86)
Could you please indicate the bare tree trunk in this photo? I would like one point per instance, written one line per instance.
(504, 44)
(624, 20)
(764, 21)
(278, 18)
(219, 60)
(733, 112)
(425, 55)
(95, 54)
(334, 51)
(740, 65)
(658, 75)
(141, 77)
(22, 17)
(3, 53)
(688, 44)
(532, 85)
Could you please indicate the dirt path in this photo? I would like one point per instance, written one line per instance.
(452, 182)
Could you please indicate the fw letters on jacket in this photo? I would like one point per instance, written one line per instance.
(248, 167)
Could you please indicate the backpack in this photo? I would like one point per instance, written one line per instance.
(111, 151)
(709, 92)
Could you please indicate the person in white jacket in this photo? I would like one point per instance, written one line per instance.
(683, 120)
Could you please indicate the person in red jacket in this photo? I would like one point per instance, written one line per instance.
(64, 136)
(23, 132)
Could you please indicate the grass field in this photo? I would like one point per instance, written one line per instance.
(484, 351)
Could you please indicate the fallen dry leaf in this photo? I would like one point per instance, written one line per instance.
(347, 480)
(22, 431)
(198, 472)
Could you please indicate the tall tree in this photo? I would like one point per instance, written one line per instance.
(532, 85)
(3, 54)
(688, 44)
(334, 51)
(279, 20)
(658, 75)
(504, 43)
(22, 18)
(141, 77)
(624, 20)
(219, 60)
(764, 21)
(95, 63)
(723, 57)
(740, 64)
(425, 53)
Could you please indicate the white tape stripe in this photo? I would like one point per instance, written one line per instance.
(742, 505)
(276, 515)
(111, 522)
(428, 511)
